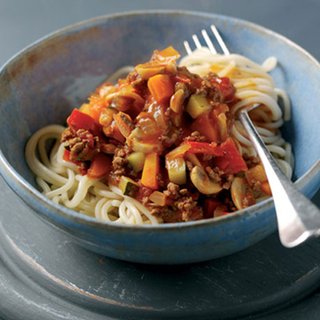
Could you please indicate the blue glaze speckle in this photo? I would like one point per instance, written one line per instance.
(43, 83)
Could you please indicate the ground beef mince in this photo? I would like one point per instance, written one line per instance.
(81, 143)
(120, 162)
(183, 207)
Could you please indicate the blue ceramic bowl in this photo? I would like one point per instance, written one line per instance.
(41, 84)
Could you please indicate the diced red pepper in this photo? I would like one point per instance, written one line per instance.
(66, 155)
(226, 87)
(209, 206)
(79, 120)
(206, 126)
(100, 167)
(204, 148)
(231, 160)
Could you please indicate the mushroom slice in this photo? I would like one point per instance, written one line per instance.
(241, 193)
(202, 182)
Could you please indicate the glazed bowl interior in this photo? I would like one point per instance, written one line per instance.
(41, 85)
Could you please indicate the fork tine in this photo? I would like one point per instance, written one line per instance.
(196, 41)
(208, 41)
(187, 47)
(219, 39)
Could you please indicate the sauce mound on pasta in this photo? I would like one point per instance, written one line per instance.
(163, 136)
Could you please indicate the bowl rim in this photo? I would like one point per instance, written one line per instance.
(19, 184)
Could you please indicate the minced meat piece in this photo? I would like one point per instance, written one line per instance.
(183, 208)
(172, 191)
(214, 173)
(120, 162)
(189, 209)
(81, 143)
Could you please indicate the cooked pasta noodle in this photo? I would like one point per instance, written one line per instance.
(61, 182)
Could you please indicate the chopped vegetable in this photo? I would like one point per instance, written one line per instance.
(113, 131)
(124, 123)
(202, 182)
(193, 159)
(204, 148)
(128, 186)
(100, 167)
(106, 116)
(231, 161)
(150, 171)
(176, 101)
(145, 147)
(147, 71)
(177, 170)
(209, 206)
(226, 87)
(159, 198)
(197, 105)
(136, 161)
(265, 187)
(179, 151)
(95, 111)
(206, 126)
(66, 155)
(79, 120)
(148, 126)
(167, 53)
(256, 173)
(241, 193)
(222, 125)
(161, 87)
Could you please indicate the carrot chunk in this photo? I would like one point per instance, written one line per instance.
(150, 171)
(161, 87)
(100, 167)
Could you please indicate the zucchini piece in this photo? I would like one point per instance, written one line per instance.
(197, 105)
(136, 161)
(177, 170)
(128, 186)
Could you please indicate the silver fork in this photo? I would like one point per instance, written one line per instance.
(298, 218)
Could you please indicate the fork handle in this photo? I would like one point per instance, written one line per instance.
(298, 218)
